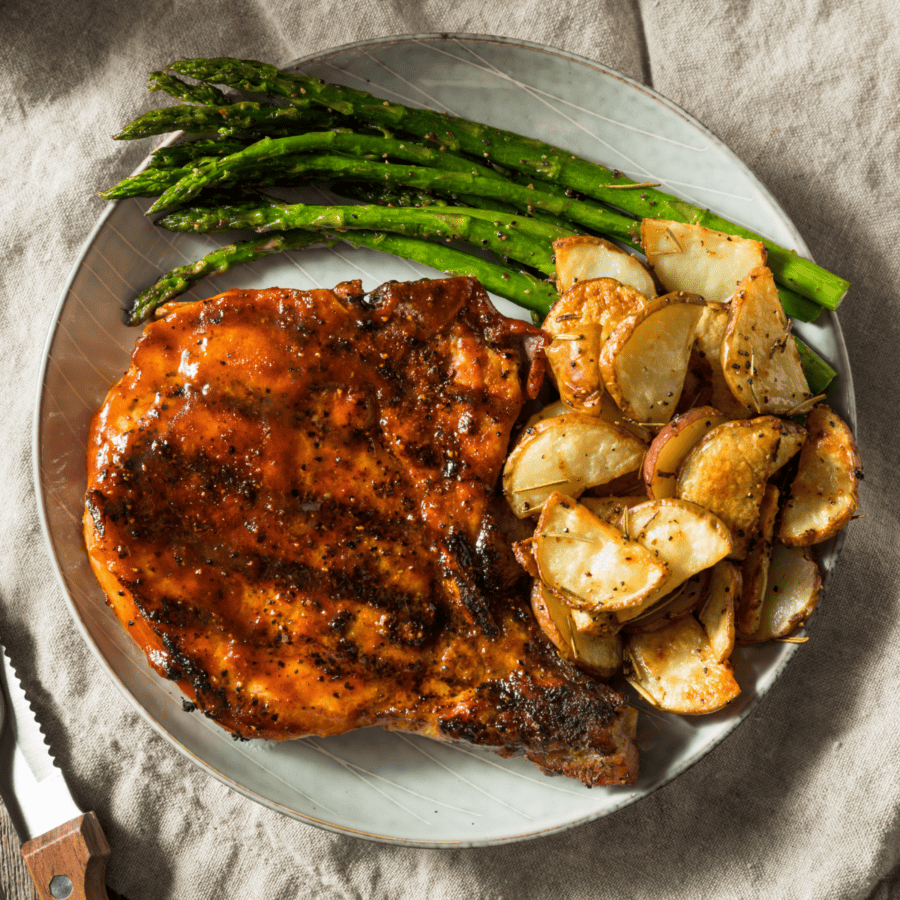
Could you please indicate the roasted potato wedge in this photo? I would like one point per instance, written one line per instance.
(717, 613)
(755, 568)
(708, 349)
(600, 653)
(541, 599)
(669, 448)
(580, 322)
(760, 360)
(582, 258)
(683, 536)
(600, 301)
(676, 670)
(793, 436)
(685, 599)
(727, 471)
(693, 258)
(791, 595)
(574, 358)
(645, 359)
(825, 493)
(568, 453)
(591, 564)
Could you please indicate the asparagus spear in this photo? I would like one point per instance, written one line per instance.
(149, 183)
(179, 280)
(184, 155)
(818, 373)
(154, 181)
(190, 93)
(515, 152)
(518, 238)
(244, 115)
(445, 182)
(269, 149)
(521, 288)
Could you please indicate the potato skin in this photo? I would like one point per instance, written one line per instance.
(825, 494)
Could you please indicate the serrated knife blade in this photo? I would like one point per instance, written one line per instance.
(65, 850)
(32, 786)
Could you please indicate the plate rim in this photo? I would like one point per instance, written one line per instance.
(37, 431)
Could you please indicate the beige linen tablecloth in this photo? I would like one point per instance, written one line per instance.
(804, 799)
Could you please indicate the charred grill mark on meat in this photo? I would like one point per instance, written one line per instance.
(292, 507)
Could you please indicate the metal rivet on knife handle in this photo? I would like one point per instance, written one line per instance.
(73, 855)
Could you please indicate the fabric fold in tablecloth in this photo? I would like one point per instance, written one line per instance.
(802, 801)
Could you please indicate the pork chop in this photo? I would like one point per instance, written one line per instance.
(292, 508)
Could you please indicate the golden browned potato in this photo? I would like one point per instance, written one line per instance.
(708, 353)
(676, 670)
(755, 568)
(574, 358)
(568, 453)
(600, 653)
(717, 613)
(825, 493)
(791, 595)
(645, 358)
(583, 257)
(669, 448)
(580, 322)
(591, 564)
(600, 301)
(760, 360)
(727, 471)
(793, 436)
(692, 258)
(684, 536)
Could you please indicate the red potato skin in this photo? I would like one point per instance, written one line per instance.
(657, 490)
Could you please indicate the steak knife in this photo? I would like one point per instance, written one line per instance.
(64, 849)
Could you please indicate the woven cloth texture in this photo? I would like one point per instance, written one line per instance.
(802, 800)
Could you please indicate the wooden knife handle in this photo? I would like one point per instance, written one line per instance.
(69, 862)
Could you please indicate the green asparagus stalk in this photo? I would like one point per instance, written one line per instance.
(519, 239)
(516, 152)
(368, 194)
(153, 182)
(244, 115)
(198, 218)
(392, 196)
(185, 155)
(519, 287)
(149, 183)
(190, 93)
(818, 373)
(179, 280)
(446, 182)
(269, 149)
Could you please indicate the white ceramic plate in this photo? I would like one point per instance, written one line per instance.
(371, 783)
